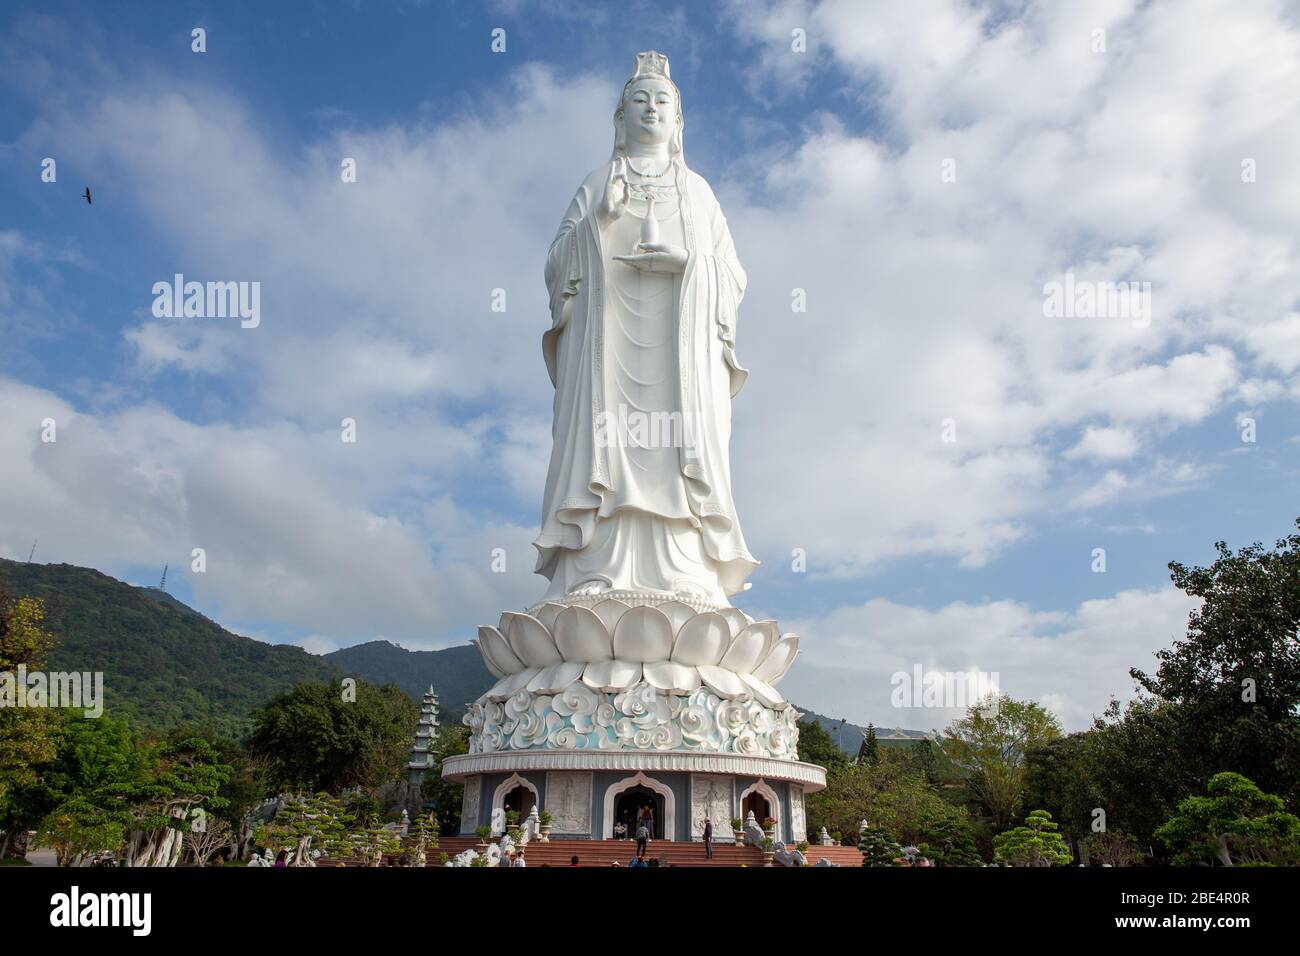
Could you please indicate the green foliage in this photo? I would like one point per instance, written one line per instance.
(1035, 844)
(28, 736)
(316, 739)
(307, 822)
(892, 793)
(877, 847)
(544, 817)
(870, 751)
(991, 744)
(484, 833)
(1235, 677)
(104, 786)
(165, 665)
(457, 673)
(1222, 700)
(1060, 778)
(446, 797)
(817, 747)
(949, 841)
(1110, 848)
(1235, 823)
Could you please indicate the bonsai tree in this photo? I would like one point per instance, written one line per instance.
(544, 817)
(421, 837)
(949, 842)
(1035, 844)
(306, 823)
(484, 833)
(372, 842)
(1111, 848)
(1235, 824)
(877, 848)
(737, 824)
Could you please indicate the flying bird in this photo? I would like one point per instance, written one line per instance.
(86, 196)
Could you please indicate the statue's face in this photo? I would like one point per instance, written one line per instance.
(650, 111)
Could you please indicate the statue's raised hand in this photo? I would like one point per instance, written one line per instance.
(617, 193)
(657, 257)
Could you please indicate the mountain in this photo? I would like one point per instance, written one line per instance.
(849, 736)
(456, 673)
(164, 663)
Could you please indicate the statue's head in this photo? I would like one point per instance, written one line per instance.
(650, 109)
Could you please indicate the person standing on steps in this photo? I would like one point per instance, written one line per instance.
(642, 838)
(708, 838)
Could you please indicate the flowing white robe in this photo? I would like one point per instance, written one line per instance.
(616, 514)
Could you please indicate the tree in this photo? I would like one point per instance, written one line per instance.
(891, 793)
(318, 738)
(816, 746)
(1110, 848)
(950, 842)
(877, 848)
(184, 774)
(1035, 844)
(1059, 778)
(1235, 823)
(869, 752)
(204, 840)
(990, 745)
(28, 735)
(421, 838)
(442, 796)
(81, 803)
(307, 822)
(1236, 675)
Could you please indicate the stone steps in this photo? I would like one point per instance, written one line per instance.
(608, 852)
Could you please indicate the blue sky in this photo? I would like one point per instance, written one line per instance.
(925, 303)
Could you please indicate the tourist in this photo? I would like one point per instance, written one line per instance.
(519, 858)
(708, 838)
(508, 859)
(573, 861)
(642, 838)
(282, 858)
(650, 821)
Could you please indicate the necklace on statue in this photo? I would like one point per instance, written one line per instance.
(649, 172)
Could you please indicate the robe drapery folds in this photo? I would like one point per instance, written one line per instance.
(578, 481)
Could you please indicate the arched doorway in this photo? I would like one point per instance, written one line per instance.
(762, 799)
(640, 803)
(521, 798)
(759, 805)
(665, 827)
(515, 793)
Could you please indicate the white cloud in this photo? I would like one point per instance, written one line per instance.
(1105, 444)
(1072, 662)
(924, 303)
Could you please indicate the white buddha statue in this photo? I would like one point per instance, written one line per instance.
(644, 288)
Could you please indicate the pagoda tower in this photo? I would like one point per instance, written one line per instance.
(427, 728)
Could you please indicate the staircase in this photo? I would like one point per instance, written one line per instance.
(608, 852)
